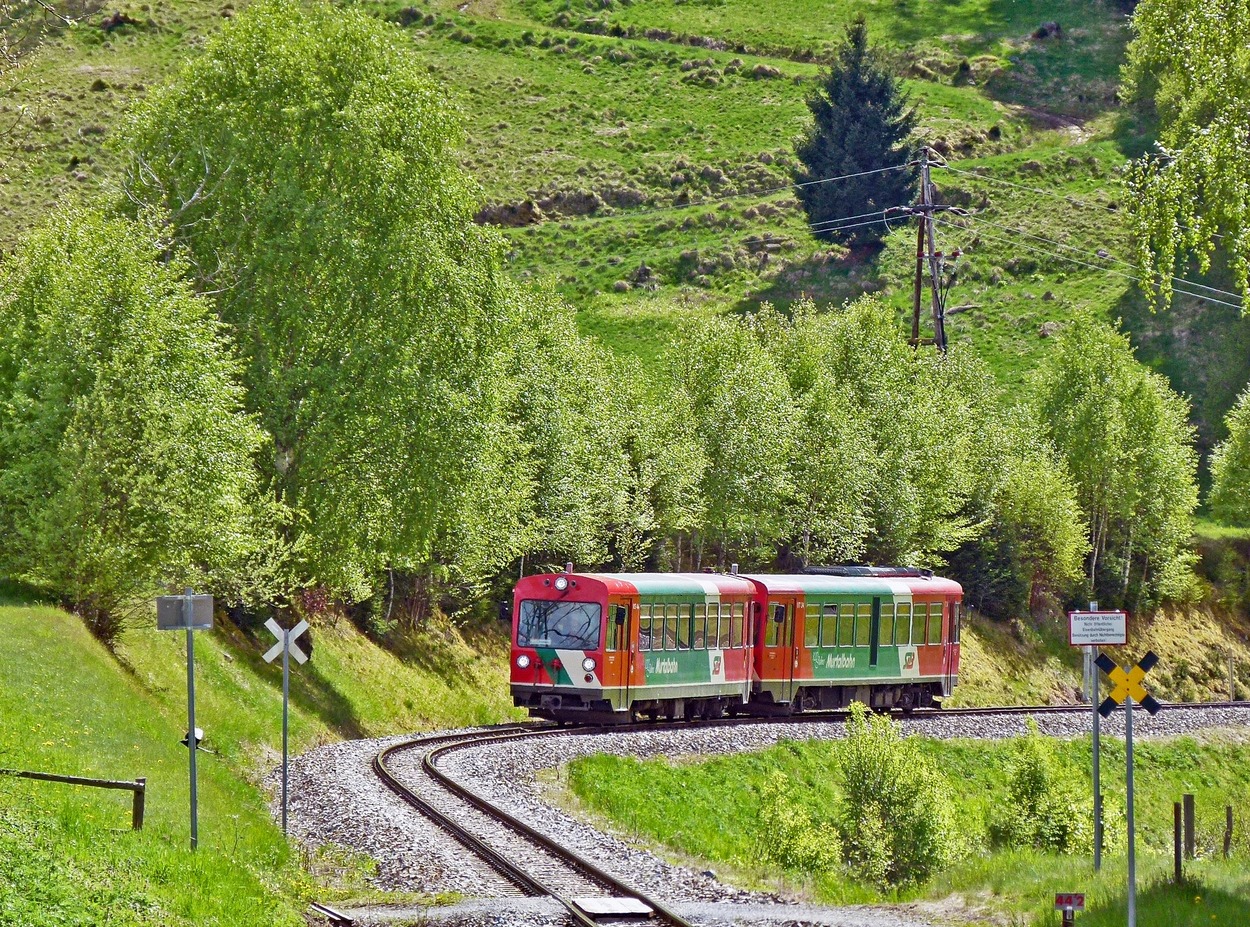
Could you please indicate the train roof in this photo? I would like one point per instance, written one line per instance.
(819, 584)
(725, 584)
(696, 584)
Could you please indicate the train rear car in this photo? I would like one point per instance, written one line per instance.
(887, 637)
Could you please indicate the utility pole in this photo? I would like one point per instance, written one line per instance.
(927, 253)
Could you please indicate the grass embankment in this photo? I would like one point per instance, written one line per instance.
(68, 856)
(708, 811)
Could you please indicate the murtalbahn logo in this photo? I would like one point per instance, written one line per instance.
(663, 667)
(839, 661)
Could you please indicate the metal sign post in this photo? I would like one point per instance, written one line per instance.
(288, 648)
(1093, 629)
(188, 612)
(1127, 686)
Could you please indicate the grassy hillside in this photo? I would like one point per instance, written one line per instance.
(647, 146)
(707, 813)
(68, 856)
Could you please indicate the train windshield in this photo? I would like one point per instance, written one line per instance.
(559, 625)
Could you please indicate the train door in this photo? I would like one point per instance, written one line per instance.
(780, 656)
(618, 651)
(950, 647)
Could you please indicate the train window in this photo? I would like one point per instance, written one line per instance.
(723, 640)
(563, 625)
(735, 626)
(902, 624)
(699, 638)
(671, 617)
(863, 625)
(777, 621)
(846, 626)
(811, 626)
(685, 625)
(918, 611)
(935, 624)
(829, 626)
(957, 618)
(644, 628)
(886, 636)
(618, 631)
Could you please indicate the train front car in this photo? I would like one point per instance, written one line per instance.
(601, 648)
(887, 637)
(560, 646)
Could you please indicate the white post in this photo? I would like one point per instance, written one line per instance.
(188, 613)
(286, 676)
(1132, 848)
(1097, 739)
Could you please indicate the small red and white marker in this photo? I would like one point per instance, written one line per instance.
(1070, 901)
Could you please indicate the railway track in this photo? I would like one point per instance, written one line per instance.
(527, 861)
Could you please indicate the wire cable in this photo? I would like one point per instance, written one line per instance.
(707, 201)
(1051, 193)
(1050, 241)
(1072, 260)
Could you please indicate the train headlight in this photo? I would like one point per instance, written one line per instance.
(589, 664)
(523, 661)
(562, 583)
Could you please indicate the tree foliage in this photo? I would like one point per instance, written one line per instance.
(850, 446)
(126, 463)
(1191, 62)
(861, 122)
(1128, 444)
(613, 470)
(306, 161)
(1230, 467)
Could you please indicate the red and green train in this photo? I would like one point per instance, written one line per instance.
(603, 647)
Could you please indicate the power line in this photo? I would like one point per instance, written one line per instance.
(707, 201)
(1050, 241)
(1051, 193)
(1072, 260)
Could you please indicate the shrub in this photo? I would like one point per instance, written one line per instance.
(895, 825)
(1042, 809)
(788, 836)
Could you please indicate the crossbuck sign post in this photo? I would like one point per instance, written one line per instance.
(1127, 686)
(288, 648)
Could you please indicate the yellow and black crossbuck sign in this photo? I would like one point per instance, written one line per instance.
(1127, 683)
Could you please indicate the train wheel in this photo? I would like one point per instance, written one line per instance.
(715, 709)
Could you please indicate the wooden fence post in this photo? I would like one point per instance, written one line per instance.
(1228, 831)
(1176, 842)
(140, 796)
(1189, 825)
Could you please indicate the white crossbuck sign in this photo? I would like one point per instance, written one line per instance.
(286, 640)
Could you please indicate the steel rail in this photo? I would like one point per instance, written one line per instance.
(496, 860)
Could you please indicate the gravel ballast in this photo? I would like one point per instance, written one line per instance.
(337, 798)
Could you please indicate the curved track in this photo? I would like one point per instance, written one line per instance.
(531, 863)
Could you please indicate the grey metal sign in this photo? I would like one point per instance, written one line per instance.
(172, 613)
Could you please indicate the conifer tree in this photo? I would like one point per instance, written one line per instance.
(861, 122)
